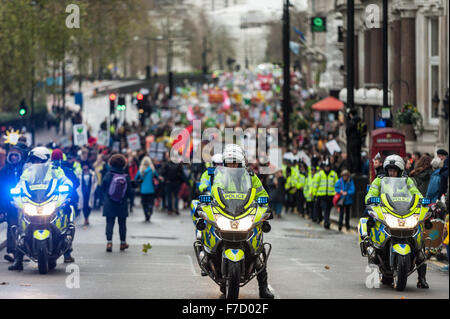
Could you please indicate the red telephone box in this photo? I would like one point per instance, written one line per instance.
(386, 141)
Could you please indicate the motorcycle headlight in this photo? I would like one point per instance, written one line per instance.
(403, 223)
(30, 209)
(45, 210)
(226, 224)
(48, 209)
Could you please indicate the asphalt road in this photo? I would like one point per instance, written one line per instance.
(307, 262)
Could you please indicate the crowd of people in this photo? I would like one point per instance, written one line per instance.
(311, 180)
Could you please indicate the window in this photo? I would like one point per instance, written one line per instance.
(433, 70)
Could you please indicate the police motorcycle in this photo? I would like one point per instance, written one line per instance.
(45, 230)
(393, 236)
(230, 224)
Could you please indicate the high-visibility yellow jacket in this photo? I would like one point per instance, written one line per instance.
(374, 190)
(324, 184)
(308, 188)
(205, 182)
(291, 184)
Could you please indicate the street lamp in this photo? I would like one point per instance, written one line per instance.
(148, 39)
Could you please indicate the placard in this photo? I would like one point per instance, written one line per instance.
(134, 142)
(80, 137)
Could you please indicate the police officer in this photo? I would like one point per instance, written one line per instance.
(324, 190)
(38, 155)
(233, 156)
(394, 166)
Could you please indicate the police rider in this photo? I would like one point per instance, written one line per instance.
(234, 157)
(37, 156)
(394, 166)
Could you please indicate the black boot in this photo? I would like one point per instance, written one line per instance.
(264, 291)
(18, 262)
(422, 282)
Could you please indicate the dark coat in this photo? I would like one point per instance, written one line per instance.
(173, 173)
(111, 208)
(444, 178)
(422, 180)
(276, 193)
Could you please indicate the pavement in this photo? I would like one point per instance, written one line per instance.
(307, 262)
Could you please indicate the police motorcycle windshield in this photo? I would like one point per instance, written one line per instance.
(38, 187)
(397, 194)
(233, 187)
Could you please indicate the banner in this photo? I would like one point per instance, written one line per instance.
(80, 137)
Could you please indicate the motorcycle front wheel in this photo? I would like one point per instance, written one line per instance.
(401, 276)
(43, 260)
(232, 285)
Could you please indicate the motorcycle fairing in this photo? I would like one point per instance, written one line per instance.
(234, 255)
(401, 249)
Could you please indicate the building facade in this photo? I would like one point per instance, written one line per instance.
(418, 62)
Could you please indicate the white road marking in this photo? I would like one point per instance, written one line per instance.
(277, 296)
(194, 273)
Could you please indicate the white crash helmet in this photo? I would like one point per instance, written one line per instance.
(233, 153)
(41, 153)
(217, 159)
(394, 161)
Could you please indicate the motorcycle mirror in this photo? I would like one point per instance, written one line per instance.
(266, 227)
(201, 225)
(63, 189)
(15, 191)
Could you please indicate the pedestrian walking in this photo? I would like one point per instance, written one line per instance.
(117, 190)
(346, 188)
(145, 177)
(174, 176)
(86, 191)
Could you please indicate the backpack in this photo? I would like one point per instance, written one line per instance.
(118, 187)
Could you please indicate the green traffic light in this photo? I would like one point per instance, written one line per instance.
(318, 22)
(22, 112)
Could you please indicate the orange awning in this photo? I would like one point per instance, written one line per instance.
(330, 104)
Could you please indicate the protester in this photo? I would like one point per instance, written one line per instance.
(117, 190)
(145, 176)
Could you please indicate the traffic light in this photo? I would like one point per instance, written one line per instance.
(112, 103)
(140, 105)
(121, 104)
(23, 110)
(318, 24)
